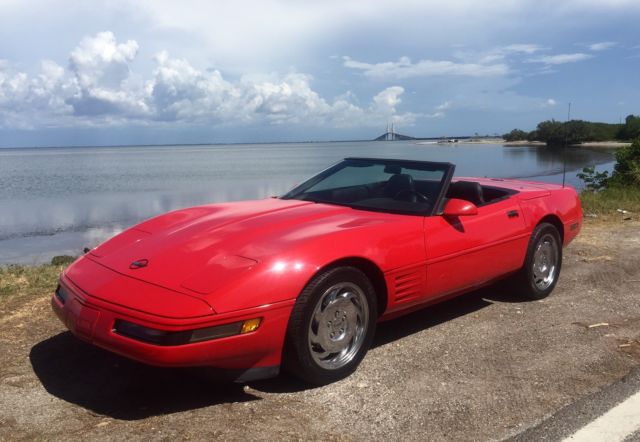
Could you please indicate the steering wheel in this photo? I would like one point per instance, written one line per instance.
(419, 197)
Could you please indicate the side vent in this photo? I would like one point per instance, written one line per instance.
(409, 283)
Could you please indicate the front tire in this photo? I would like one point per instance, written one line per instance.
(331, 326)
(539, 275)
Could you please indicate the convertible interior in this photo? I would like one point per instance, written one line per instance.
(404, 188)
(476, 193)
(401, 191)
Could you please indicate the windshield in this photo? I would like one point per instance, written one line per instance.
(399, 186)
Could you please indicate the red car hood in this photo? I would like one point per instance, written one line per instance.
(199, 249)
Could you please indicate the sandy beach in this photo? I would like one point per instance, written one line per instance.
(450, 141)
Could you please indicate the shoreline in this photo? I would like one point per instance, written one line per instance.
(611, 144)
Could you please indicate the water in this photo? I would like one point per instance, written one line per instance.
(56, 201)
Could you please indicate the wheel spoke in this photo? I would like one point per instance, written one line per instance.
(545, 260)
(337, 327)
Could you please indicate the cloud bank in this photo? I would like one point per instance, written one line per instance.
(98, 87)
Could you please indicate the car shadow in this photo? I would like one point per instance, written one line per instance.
(110, 385)
(429, 317)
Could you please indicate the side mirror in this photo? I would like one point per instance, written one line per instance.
(456, 207)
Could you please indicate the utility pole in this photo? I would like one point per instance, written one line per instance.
(564, 149)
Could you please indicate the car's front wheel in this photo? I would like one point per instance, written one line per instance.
(331, 326)
(541, 270)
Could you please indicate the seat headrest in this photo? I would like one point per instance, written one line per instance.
(467, 190)
(401, 179)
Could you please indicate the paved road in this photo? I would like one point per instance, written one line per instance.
(611, 415)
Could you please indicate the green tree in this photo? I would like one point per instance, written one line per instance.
(626, 172)
(555, 133)
(630, 129)
(577, 131)
(604, 131)
(551, 132)
(515, 135)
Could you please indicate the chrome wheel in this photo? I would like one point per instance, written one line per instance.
(545, 262)
(338, 325)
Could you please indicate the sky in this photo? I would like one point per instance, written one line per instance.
(161, 72)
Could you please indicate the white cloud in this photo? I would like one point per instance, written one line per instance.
(436, 114)
(29, 101)
(100, 59)
(551, 102)
(561, 58)
(404, 68)
(389, 98)
(522, 48)
(100, 88)
(100, 68)
(498, 54)
(602, 46)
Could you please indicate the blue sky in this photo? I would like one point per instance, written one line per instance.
(159, 71)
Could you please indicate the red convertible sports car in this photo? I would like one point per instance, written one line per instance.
(300, 281)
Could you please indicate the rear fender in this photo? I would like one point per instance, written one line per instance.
(563, 204)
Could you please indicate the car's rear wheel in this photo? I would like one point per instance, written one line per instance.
(331, 326)
(541, 270)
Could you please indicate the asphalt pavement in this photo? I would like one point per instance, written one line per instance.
(611, 414)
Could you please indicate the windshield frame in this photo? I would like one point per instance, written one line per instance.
(436, 208)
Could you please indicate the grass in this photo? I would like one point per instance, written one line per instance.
(28, 280)
(606, 202)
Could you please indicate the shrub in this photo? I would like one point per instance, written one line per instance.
(594, 181)
(627, 169)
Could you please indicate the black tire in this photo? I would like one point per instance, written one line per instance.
(344, 300)
(541, 270)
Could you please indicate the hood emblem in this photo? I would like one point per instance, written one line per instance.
(140, 263)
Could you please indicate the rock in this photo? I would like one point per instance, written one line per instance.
(626, 215)
(61, 260)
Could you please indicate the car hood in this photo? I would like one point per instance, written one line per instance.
(198, 250)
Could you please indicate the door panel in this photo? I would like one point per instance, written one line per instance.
(464, 252)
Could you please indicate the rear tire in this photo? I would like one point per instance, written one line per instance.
(331, 326)
(539, 275)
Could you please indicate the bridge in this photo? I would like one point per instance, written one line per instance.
(392, 135)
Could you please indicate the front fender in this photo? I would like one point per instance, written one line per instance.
(283, 276)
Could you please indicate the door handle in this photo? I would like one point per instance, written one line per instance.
(513, 214)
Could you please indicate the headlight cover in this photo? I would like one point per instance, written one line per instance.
(168, 338)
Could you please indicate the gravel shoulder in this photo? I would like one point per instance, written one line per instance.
(485, 366)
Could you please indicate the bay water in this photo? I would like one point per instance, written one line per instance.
(56, 201)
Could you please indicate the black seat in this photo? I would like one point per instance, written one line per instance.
(398, 182)
(466, 190)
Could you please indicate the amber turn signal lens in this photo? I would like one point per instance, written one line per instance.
(250, 325)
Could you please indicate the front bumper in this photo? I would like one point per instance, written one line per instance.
(92, 320)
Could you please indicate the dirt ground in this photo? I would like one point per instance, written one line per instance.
(485, 366)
